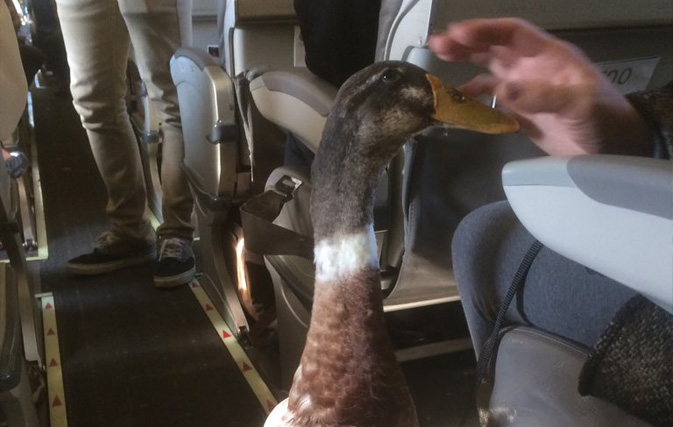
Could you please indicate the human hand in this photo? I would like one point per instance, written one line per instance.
(562, 101)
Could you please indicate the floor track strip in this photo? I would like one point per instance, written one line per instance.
(57, 407)
(251, 375)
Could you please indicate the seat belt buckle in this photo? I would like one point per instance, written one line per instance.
(286, 186)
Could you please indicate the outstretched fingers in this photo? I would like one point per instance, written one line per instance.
(466, 38)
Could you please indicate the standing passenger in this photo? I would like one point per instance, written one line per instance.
(98, 35)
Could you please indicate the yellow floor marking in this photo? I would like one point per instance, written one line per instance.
(244, 364)
(57, 408)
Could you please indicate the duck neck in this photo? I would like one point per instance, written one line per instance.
(342, 206)
(347, 329)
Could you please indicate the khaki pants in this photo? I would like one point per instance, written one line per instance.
(98, 35)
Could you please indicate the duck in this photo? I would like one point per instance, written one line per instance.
(348, 374)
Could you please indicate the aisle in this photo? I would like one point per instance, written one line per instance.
(131, 355)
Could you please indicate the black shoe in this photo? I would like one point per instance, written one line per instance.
(175, 266)
(112, 253)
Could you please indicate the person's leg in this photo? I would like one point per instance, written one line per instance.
(97, 46)
(558, 296)
(157, 28)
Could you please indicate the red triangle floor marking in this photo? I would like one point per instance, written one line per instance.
(53, 363)
(208, 307)
(226, 334)
(195, 285)
(246, 367)
(270, 405)
(51, 332)
(56, 402)
(48, 306)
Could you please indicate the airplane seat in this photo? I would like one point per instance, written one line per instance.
(611, 214)
(16, 396)
(230, 149)
(259, 32)
(533, 376)
(19, 338)
(16, 214)
(534, 382)
(22, 236)
(296, 100)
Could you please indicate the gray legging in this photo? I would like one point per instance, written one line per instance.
(559, 296)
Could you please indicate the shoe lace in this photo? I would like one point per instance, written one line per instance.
(170, 248)
(105, 239)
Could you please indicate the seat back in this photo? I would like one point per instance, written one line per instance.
(622, 32)
(258, 32)
(209, 125)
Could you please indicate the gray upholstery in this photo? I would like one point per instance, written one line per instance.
(535, 384)
(295, 100)
(301, 84)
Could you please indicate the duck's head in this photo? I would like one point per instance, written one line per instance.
(379, 108)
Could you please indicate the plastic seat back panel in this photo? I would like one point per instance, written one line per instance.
(207, 101)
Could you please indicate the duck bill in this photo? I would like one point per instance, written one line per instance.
(456, 110)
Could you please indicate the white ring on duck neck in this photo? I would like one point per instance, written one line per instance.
(339, 257)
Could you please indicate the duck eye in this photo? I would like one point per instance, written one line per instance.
(391, 75)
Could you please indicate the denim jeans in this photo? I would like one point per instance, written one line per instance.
(98, 35)
(559, 296)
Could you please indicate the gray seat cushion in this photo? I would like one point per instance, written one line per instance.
(535, 384)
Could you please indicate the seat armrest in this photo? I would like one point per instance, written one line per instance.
(613, 214)
(295, 100)
(534, 382)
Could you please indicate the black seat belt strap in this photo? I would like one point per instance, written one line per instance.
(261, 234)
(519, 278)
